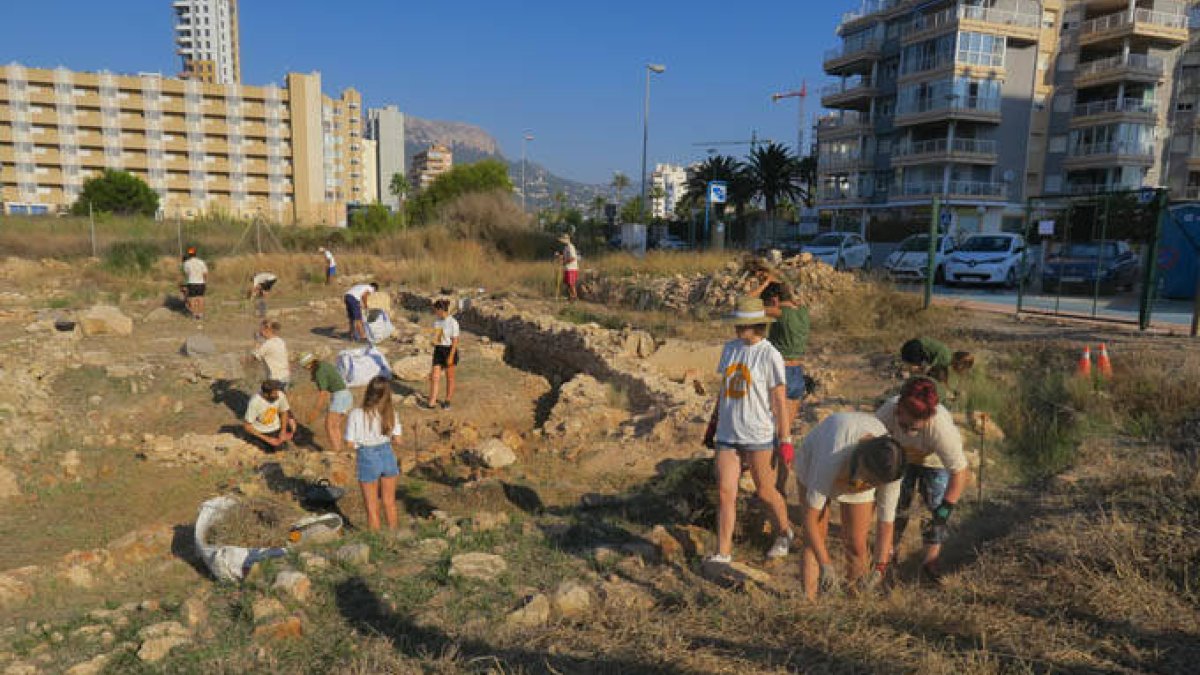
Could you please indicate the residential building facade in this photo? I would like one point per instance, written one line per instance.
(285, 154)
(206, 40)
(430, 163)
(669, 185)
(368, 159)
(386, 127)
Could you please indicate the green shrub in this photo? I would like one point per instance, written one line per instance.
(131, 257)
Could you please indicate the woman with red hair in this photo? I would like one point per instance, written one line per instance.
(935, 464)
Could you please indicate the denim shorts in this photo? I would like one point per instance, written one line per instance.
(341, 402)
(375, 462)
(745, 447)
(795, 382)
(354, 311)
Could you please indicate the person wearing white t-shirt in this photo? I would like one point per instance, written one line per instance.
(330, 264)
(260, 287)
(370, 430)
(937, 467)
(273, 353)
(356, 303)
(268, 416)
(747, 426)
(195, 282)
(844, 459)
(569, 257)
(445, 353)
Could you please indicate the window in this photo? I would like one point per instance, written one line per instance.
(1054, 184)
(981, 49)
(1062, 103)
(1058, 143)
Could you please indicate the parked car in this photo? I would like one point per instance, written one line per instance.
(910, 261)
(1079, 266)
(840, 250)
(989, 259)
(671, 243)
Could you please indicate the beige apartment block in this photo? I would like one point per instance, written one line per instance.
(982, 104)
(366, 161)
(430, 163)
(280, 153)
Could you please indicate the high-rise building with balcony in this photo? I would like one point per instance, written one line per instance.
(286, 154)
(985, 103)
(669, 183)
(430, 163)
(386, 127)
(206, 40)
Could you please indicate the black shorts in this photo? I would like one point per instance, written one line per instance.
(354, 310)
(267, 285)
(194, 290)
(441, 357)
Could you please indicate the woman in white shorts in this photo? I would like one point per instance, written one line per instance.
(845, 458)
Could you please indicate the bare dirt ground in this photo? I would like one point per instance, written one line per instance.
(598, 529)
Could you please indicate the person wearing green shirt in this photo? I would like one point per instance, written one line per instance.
(789, 335)
(332, 395)
(924, 355)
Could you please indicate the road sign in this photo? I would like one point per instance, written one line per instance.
(718, 191)
(1046, 228)
(947, 218)
(1146, 195)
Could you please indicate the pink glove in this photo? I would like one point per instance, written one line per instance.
(787, 452)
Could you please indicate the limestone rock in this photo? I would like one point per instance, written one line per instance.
(295, 584)
(158, 315)
(70, 464)
(412, 368)
(156, 649)
(571, 599)
(429, 551)
(695, 540)
(669, 550)
(494, 454)
(8, 484)
(626, 596)
(535, 612)
(13, 591)
(93, 666)
(478, 566)
(354, 554)
(313, 562)
(194, 613)
(266, 608)
(487, 521)
(733, 574)
(105, 320)
(280, 629)
(199, 345)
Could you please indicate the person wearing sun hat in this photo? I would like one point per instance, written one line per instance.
(570, 264)
(747, 426)
(332, 396)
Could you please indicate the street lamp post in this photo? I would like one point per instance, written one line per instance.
(525, 138)
(656, 68)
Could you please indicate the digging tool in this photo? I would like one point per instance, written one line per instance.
(557, 282)
(982, 448)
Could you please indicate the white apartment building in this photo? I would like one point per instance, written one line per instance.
(206, 40)
(671, 183)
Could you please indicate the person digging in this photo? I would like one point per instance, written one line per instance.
(332, 396)
(568, 257)
(268, 416)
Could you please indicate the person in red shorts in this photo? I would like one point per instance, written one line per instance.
(570, 264)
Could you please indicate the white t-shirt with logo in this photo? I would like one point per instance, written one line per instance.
(363, 429)
(823, 464)
(748, 373)
(938, 445)
(359, 290)
(274, 355)
(195, 270)
(571, 257)
(445, 331)
(265, 416)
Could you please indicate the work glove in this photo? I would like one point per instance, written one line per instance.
(710, 434)
(943, 511)
(829, 582)
(873, 580)
(787, 452)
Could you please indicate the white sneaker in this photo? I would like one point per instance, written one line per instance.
(782, 545)
(719, 559)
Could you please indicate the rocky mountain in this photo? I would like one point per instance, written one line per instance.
(470, 143)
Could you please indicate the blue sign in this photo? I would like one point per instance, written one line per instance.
(1146, 195)
(947, 219)
(718, 191)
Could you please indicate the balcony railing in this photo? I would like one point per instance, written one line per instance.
(847, 120)
(1192, 193)
(1122, 148)
(940, 146)
(968, 188)
(951, 15)
(1109, 22)
(867, 8)
(851, 48)
(955, 104)
(846, 87)
(848, 160)
(1151, 64)
(1116, 105)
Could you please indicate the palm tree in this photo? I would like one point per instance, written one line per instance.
(774, 173)
(597, 207)
(398, 186)
(723, 168)
(619, 182)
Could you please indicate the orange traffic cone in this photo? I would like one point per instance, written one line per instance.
(1102, 362)
(1085, 363)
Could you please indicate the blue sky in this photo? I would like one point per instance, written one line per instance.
(572, 72)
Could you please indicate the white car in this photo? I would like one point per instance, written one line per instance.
(840, 250)
(988, 259)
(910, 260)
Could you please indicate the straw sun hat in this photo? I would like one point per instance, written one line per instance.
(749, 312)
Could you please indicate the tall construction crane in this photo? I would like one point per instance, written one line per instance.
(754, 142)
(800, 95)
